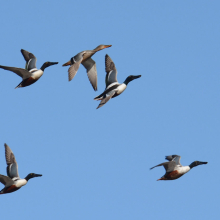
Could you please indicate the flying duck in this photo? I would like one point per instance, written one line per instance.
(84, 57)
(174, 169)
(113, 88)
(13, 182)
(30, 74)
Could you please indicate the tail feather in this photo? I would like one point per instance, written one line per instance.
(98, 98)
(162, 178)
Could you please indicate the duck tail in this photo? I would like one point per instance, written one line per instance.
(98, 98)
(162, 178)
(67, 63)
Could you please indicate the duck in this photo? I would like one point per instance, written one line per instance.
(30, 74)
(174, 169)
(113, 88)
(13, 182)
(84, 57)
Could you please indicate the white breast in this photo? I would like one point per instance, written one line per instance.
(121, 88)
(20, 183)
(183, 169)
(37, 74)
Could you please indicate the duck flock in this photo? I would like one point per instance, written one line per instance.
(31, 74)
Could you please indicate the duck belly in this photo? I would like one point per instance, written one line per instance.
(172, 175)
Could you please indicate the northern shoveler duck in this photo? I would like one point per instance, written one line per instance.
(30, 74)
(113, 88)
(13, 182)
(84, 57)
(174, 169)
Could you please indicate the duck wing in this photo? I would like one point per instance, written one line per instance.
(111, 72)
(90, 66)
(30, 60)
(106, 98)
(12, 168)
(23, 73)
(75, 63)
(101, 96)
(176, 159)
(170, 157)
(7, 181)
(169, 166)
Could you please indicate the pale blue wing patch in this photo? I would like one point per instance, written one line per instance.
(177, 160)
(12, 168)
(31, 64)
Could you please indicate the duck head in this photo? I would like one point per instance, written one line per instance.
(101, 47)
(130, 78)
(196, 163)
(32, 175)
(47, 64)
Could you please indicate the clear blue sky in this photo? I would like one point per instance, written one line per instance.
(95, 163)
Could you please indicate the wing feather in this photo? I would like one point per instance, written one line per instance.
(12, 166)
(30, 60)
(111, 72)
(107, 97)
(90, 66)
(168, 166)
(7, 181)
(23, 73)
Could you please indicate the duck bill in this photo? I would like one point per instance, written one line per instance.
(67, 63)
(200, 163)
(106, 46)
(37, 175)
(136, 77)
(53, 63)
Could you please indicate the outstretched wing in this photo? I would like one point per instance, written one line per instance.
(169, 166)
(12, 168)
(75, 63)
(107, 97)
(30, 60)
(90, 66)
(170, 157)
(7, 181)
(111, 72)
(20, 72)
(176, 159)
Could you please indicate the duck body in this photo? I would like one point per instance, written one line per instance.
(14, 187)
(13, 182)
(116, 88)
(85, 59)
(34, 76)
(175, 174)
(113, 88)
(30, 74)
(174, 169)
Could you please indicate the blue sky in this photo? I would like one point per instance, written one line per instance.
(95, 163)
